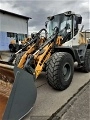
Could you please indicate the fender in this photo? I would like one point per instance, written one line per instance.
(66, 49)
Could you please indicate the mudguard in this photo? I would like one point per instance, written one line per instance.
(22, 97)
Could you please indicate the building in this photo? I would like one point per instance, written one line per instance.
(12, 26)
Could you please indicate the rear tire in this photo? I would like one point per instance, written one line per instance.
(11, 48)
(17, 47)
(59, 70)
(86, 65)
(18, 58)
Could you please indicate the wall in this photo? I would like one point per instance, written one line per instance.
(9, 23)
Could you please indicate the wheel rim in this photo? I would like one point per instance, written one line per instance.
(66, 71)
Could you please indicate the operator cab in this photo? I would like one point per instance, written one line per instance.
(66, 22)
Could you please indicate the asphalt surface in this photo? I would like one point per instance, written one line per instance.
(77, 107)
(49, 100)
(80, 109)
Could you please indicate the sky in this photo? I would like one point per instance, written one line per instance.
(39, 10)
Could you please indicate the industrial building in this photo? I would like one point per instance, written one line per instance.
(12, 26)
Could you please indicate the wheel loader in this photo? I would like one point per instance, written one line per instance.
(15, 46)
(63, 46)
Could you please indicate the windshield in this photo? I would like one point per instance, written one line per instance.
(61, 21)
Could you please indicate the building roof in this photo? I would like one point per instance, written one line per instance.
(14, 14)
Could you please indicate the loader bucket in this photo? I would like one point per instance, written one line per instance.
(22, 96)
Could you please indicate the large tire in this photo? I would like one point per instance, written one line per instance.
(12, 48)
(60, 70)
(18, 58)
(86, 65)
(17, 47)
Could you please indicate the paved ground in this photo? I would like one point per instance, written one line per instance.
(49, 100)
(80, 109)
(77, 108)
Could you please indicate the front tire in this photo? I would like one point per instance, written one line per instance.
(18, 58)
(11, 48)
(60, 70)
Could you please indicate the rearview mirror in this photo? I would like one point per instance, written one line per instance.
(79, 20)
(46, 23)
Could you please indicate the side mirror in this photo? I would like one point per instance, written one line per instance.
(79, 20)
(46, 23)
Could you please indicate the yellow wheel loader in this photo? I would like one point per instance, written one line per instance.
(64, 45)
(15, 46)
